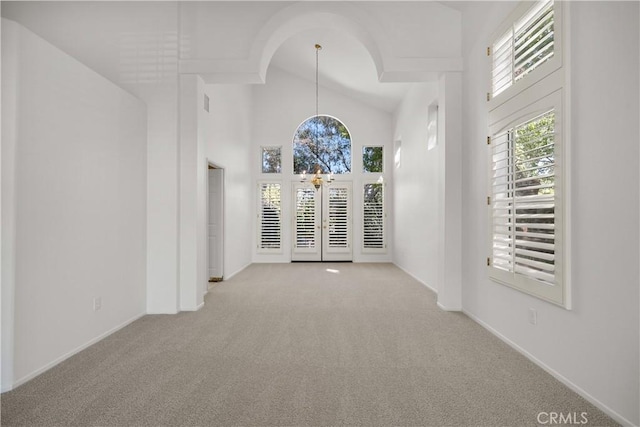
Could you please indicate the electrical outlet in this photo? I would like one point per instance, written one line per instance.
(97, 303)
(533, 316)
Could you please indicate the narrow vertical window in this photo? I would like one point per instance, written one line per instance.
(526, 213)
(432, 126)
(270, 217)
(524, 202)
(527, 149)
(373, 230)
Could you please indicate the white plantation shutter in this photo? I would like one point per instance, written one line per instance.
(339, 217)
(523, 201)
(502, 64)
(534, 198)
(305, 226)
(527, 44)
(270, 218)
(533, 38)
(528, 152)
(502, 198)
(373, 236)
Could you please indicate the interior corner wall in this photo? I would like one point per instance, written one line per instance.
(79, 182)
(229, 146)
(193, 193)
(416, 176)
(202, 206)
(594, 347)
(9, 75)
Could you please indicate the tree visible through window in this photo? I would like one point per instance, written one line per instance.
(271, 160)
(373, 217)
(372, 159)
(528, 43)
(524, 215)
(322, 144)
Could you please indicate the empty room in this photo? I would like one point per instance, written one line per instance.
(417, 213)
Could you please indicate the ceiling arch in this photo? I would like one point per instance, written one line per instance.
(305, 16)
(401, 47)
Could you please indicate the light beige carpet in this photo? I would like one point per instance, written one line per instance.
(299, 344)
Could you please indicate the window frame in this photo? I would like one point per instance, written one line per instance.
(544, 88)
(539, 73)
(553, 293)
(432, 125)
(385, 245)
(310, 171)
(365, 173)
(259, 248)
(262, 151)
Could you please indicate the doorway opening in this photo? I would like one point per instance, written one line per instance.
(215, 223)
(322, 224)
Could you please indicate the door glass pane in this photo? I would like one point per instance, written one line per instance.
(338, 218)
(305, 218)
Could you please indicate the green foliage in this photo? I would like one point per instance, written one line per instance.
(534, 43)
(271, 160)
(372, 159)
(534, 155)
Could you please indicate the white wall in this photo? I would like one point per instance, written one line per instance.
(229, 146)
(194, 128)
(77, 181)
(135, 45)
(594, 347)
(279, 107)
(416, 181)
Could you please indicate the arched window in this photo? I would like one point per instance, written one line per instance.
(322, 144)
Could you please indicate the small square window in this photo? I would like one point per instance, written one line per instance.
(372, 159)
(271, 160)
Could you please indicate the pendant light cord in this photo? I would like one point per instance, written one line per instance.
(318, 47)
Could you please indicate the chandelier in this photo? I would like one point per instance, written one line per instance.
(317, 179)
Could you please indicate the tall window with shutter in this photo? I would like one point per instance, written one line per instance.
(270, 218)
(373, 217)
(527, 150)
(523, 187)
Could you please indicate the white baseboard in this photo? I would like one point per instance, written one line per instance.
(64, 357)
(419, 280)
(237, 271)
(443, 308)
(604, 408)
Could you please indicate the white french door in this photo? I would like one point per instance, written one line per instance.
(336, 222)
(322, 222)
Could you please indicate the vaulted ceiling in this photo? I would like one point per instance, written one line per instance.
(344, 66)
